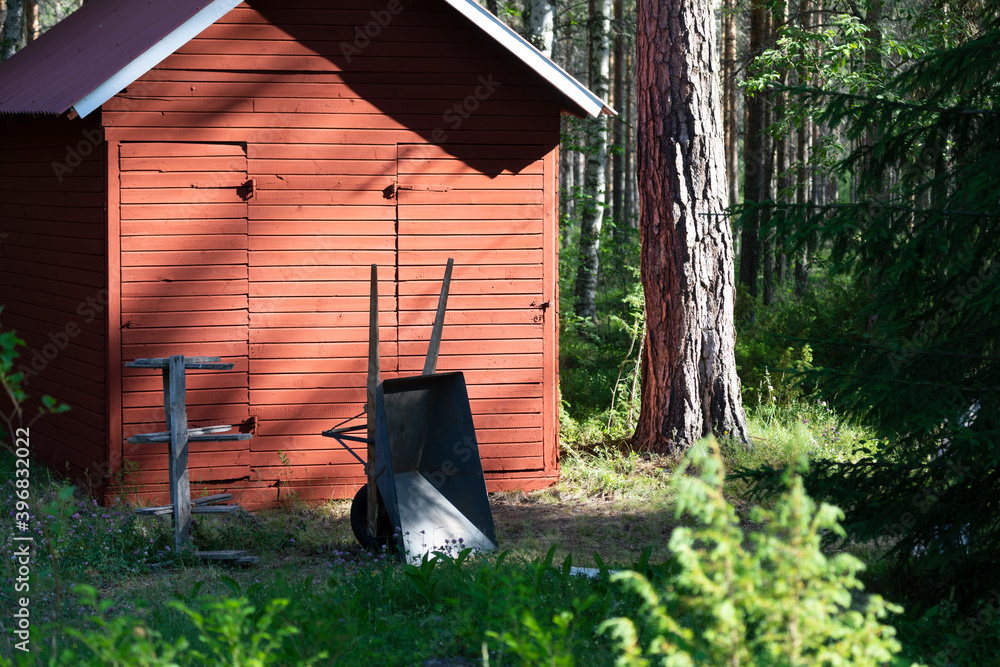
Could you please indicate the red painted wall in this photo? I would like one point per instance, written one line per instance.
(52, 278)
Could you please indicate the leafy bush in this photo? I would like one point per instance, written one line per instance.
(777, 600)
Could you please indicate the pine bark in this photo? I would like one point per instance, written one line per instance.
(689, 383)
(595, 184)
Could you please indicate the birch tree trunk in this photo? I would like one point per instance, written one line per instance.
(618, 159)
(594, 178)
(689, 383)
(13, 29)
(539, 24)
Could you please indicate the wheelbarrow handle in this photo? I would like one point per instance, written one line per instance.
(340, 437)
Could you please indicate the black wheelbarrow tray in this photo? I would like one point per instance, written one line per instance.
(427, 467)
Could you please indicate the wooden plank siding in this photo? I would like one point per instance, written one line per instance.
(52, 283)
(184, 290)
(278, 283)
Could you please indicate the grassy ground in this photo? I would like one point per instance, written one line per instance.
(364, 609)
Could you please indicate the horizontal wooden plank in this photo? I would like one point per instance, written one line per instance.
(430, 287)
(195, 396)
(317, 168)
(359, 271)
(159, 288)
(329, 319)
(292, 258)
(149, 418)
(470, 362)
(265, 244)
(479, 198)
(470, 301)
(329, 228)
(186, 242)
(190, 257)
(313, 350)
(190, 211)
(186, 319)
(206, 151)
(440, 258)
(296, 288)
(181, 226)
(463, 272)
(318, 335)
(138, 180)
(474, 242)
(176, 274)
(196, 161)
(473, 347)
(179, 335)
(470, 211)
(183, 303)
(323, 212)
(309, 153)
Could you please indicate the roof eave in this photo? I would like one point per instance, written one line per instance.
(152, 56)
(575, 91)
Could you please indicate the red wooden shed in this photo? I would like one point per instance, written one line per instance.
(215, 178)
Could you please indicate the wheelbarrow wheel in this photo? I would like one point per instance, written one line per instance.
(359, 523)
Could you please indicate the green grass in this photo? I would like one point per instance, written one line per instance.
(370, 610)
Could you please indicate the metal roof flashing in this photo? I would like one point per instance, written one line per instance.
(154, 55)
(575, 91)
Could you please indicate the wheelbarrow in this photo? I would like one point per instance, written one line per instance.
(426, 491)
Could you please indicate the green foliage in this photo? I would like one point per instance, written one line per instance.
(776, 345)
(777, 600)
(12, 385)
(922, 248)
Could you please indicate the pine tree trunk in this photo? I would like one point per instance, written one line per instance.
(594, 177)
(689, 383)
(13, 29)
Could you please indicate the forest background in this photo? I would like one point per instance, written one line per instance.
(863, 161)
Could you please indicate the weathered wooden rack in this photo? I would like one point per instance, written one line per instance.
(178, 436)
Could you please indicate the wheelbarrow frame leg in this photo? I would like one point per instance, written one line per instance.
(374, 379)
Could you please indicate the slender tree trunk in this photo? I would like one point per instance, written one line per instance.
(594, 177)
(802, 175)
(689, 383)
(13, 29)
(729, 99)
(754, 161)
(31, 26)
(618, 159)
(492, 6)
(629, 161)
(539, 24)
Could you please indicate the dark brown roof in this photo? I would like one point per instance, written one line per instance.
(88, 49)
